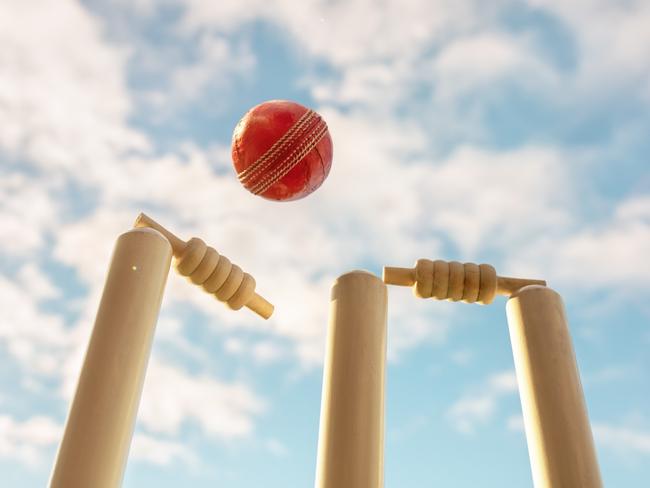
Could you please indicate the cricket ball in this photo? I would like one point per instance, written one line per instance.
(281, 150)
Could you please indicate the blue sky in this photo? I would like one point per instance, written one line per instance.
(508, 132)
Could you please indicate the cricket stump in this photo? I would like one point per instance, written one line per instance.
(97, 437)
(351, 438)
(560, 442)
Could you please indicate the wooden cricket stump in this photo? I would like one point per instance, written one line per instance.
(558, 433)
(351, 437)
(100, 423)
(97, 436)
(560, 442)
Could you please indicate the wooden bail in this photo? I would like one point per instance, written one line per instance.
(455, 281)
(204, 266)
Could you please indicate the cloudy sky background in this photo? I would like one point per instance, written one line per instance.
(509, 132)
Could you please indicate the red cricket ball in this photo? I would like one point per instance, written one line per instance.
(281, 150)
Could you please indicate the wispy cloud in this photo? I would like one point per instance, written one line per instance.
(480, 404)
(277, 448)
(221, 410)
(38, 341)
(599, 255)
(481, 61)
(27, 213)
(61, 112)
(623, 440)
(161, 452)
(609, 374)
(29, 440)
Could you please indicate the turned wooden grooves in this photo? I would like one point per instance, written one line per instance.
(204, 266)
(455, 281)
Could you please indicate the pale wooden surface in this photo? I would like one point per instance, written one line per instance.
(97, 436)
(351, 438)
(455, 281)
(560, 443)
(204, 266)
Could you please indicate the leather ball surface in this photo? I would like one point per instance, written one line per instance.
(281, 150)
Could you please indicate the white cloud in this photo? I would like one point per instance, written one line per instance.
(86, 244)
(27, 213)
(345, 34)
(234, 345)
(515, 423)
(630, 439)
(623, 440)
(605, 254)
(468, 411)
(37, 340)
(215, 56)
(413, 426)
(29, 440)
(381, 56)
(377, 53)
(213, 64)
(160, 452)
(63, 100)
(277, 448)
(413, 322)
(469, 64)
(34, 279)
(480, 405)
(363, 84)
(504, 382)
(172, 398)
(462, 357)
(170, 331)
(610, 374)
(263, 352)
(611, 60)
(486, 199)
(267, 352)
